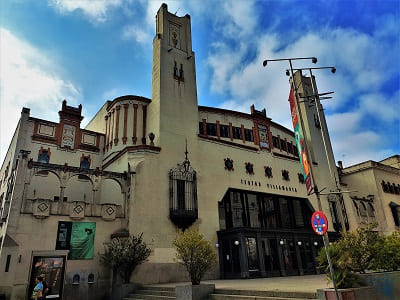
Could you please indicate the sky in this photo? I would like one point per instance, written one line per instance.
(91, 51)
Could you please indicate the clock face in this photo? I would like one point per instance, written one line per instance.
(174, 36)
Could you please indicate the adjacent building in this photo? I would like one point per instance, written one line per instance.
(164, 164)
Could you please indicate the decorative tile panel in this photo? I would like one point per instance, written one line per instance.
(108, 212)
(41, 208)
(77, 210)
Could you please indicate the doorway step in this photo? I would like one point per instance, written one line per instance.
(153, 293)
(225, 294)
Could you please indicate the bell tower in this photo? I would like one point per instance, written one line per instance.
(173, 110)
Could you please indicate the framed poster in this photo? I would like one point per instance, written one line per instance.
(51, 269)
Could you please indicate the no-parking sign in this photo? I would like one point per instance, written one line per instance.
(319, 222)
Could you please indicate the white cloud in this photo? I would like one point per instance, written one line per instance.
(96, 10)
(379, 106)
(139, 34)
(27, 79)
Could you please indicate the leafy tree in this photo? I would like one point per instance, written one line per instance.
(360, 246)
(387, 255)
(123, 255)
(195, 253)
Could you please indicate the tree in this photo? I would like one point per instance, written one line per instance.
(195, 253)
(387, 257)
(123, 255)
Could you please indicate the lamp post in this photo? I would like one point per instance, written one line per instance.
(325, 139)
(316, 191)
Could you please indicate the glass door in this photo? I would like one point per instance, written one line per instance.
(289, 256)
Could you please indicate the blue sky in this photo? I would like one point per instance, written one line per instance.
(92, 51)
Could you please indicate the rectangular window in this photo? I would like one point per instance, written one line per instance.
(285, 213)
(211, 129)
(248, 135)
(56, 198)
(275, 142)
(8, 263)
(295, 151)
(180, 188)
(201, 131)
(224, 131)
(237, 133)
(65, 199)
(283, 145)
(396, 214)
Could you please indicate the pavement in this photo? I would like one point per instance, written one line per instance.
(308, 283)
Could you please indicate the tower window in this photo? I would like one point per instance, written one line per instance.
(44, 156)
(85, 163)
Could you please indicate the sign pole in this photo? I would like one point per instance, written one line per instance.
(325, 236)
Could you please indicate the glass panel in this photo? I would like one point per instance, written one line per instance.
(237, 210)
(270, 212)
(253, 210)
(284, 213)
(180, 187)
(298, 214)
(289, 255)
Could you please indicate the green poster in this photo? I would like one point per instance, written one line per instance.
(82, 240)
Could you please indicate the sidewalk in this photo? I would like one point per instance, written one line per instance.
(308, 283)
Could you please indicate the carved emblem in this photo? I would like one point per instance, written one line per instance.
(285, 174)
(228, 164)
(268, 171)
(249, 168)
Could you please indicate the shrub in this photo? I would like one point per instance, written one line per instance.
(123, 255)
(387, 257)
(195, 253)
(360, 246)
(344, 277)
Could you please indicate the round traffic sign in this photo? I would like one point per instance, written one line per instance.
(319, 222)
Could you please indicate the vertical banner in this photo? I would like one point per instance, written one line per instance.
(82, 240)
(301, 147)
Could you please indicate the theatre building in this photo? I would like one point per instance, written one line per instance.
(158, 166)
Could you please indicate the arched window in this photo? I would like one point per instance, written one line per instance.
(356, 206)
(183, 194)
(371, 210)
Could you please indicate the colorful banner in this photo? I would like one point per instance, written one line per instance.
(82, 240)
(301, 147)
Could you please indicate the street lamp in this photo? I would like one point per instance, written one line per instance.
(316, 97)
(316, 191)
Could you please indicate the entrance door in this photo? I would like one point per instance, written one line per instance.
(307, 258)
(271, 256)
(230, 258)
(252, 257)
(51, 268)
(289, 257)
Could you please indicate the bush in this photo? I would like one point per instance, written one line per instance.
(387, 251)
(361, 246)
(359, 251)
(344, 277)
(123, 255)
(195, 253)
